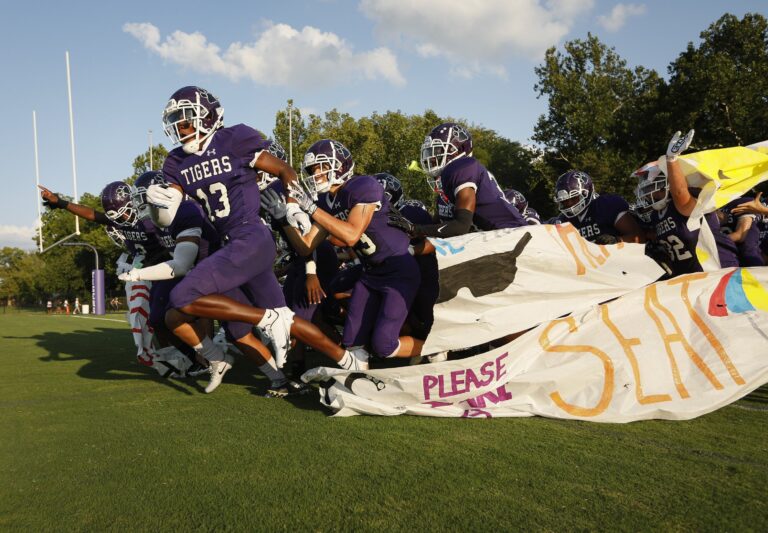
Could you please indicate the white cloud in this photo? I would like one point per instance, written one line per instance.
(476, 35)
(17, 236)
(281, 55)
(618, 16)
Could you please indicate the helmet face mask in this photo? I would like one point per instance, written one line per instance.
(574, 192)
(393, 189)
(116, 199)
(116, 236)
(652, 188)
(195, 109)
(444, 143)
(326, 164)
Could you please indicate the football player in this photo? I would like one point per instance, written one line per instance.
(146, 245)
(305, 277)
(670, 218)
(218, 166)
(421, 316)
(604, 219)
(355, 213)
(195, 240)
(744, 231)
(757, 207)
(468, 195)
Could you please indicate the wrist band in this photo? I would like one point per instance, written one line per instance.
(310, 267)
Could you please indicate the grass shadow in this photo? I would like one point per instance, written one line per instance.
(104, 351)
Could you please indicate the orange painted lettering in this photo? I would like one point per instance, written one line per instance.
(607, 393)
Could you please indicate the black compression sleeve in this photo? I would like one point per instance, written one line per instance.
(100, 218)
(459, 225)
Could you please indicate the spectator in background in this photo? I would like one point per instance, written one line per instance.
(77, 309)
(49, 307)
(66, 306)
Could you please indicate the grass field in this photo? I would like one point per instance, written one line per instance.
(92, 441)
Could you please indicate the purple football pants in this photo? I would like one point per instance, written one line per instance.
(379, 305)
(241, 270)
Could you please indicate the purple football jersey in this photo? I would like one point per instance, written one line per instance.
(492, 209)
(189, 216)
(220, 177)
(379, 241)
(680, 243)
(144, 238)
(749, 252)
(443, 207)
(600, 216)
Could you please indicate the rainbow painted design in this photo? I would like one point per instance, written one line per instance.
(738, 292)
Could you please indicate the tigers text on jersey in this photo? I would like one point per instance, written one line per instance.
(380, 240)
(144, 238)
(492, 209)
(600, 216)
(220, 176)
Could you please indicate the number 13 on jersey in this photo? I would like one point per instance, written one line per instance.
(218, 193)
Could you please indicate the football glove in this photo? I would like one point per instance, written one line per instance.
(678, 145)
(302, 198)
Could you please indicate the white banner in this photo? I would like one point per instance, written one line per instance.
(494, 283)
(675, 350)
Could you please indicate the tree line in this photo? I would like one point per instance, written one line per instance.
(603, 117)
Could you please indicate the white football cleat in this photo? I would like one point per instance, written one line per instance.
(217, 370)
(358, 359)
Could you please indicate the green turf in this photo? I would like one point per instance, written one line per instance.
(91, 441)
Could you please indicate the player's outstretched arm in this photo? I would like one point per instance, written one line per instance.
(349, 231)
(275, 166)
(753, 207)
(184, 256)
(461, 223)
(678, 187)
(53, 201)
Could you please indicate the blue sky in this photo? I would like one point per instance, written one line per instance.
(465, 58)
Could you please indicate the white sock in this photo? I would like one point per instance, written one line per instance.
(208, 350)
(270, 370)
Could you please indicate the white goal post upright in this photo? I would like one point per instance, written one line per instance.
(72, 141)
(76, 197)
(37, 190)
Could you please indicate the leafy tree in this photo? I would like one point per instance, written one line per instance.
(600, 112)
(141, 163)
(389, 142)
(720, 87)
